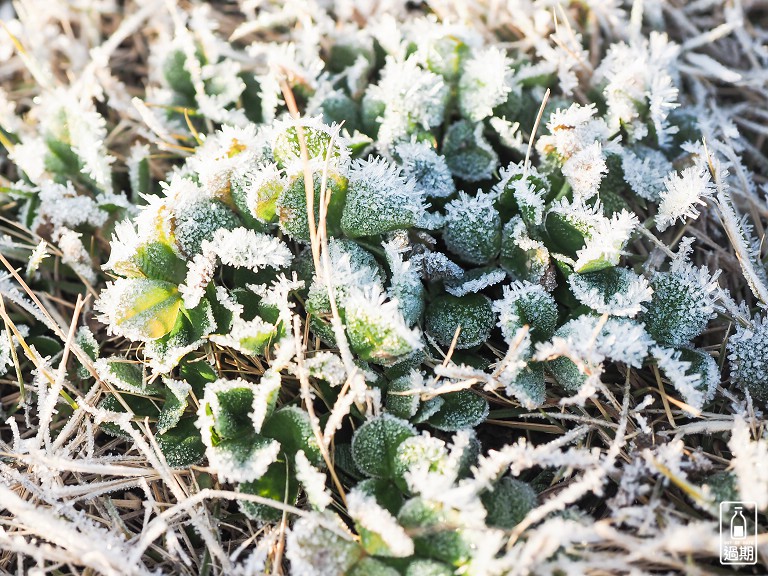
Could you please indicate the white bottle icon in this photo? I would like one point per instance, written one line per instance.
(738, 525)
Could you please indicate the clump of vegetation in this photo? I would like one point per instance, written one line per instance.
(323, 291)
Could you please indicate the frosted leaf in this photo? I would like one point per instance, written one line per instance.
(412, 100)
(292, 207)
(401, 399)
(123, 246)
(522, 191)
(747, 356)
(405, 284)
(572, 130)
(681, 195)
(460, 410)
(62, 206)
(125, 375)
(473, 228)
(584, 170)
(175, 404)
(75, 255)
(375, 443)
(473, 313)
(434, 523)
(350, 266)
(638, 81)
(247, 336)
(528, 386)
(508, 502)
(287, 150)
(645, 171)
(265, 395)
(232, 448)
(426, 168)
(256, 192)
(377, 330)
(678, 372)
(476, 280)
(423, 451)
(704, 364)
(326, 366)
(85, 339)
(199, 222)
(468, 154)
(200, 271)
(36, 258)
(603, 239)
(313, 481)
(524, 304)
(614, 291)
(681, 306)
(428, 568)
(379, 199)
(314, 550)
(139, 309)
(380, 534)
(484, 83)
(523, 257)
(244, 248)
(227, 153)
(619, 339)
(437, 266)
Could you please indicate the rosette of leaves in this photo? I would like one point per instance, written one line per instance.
(253, 443)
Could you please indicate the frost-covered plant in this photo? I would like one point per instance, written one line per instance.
(405, 290)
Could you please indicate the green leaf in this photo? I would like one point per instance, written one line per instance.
(149, 308)
(437, 534)
(371, 567)
(125, 375)
(176, 395)
(462, 409)
(473, 312)
(233, 417)
(276, 484)
(291, 427)
(384, 491)
(182, 445)
(508, 503)
(375, 443)
(158, 261)
(140, 408)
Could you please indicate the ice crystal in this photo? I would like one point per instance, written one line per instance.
(313, 482)
(369, 516)
(473, 283)
(683, 192)
(585, 169)
(645, 172)
(412, 99)
(244, 248)
(484, 84)
(678, 373)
